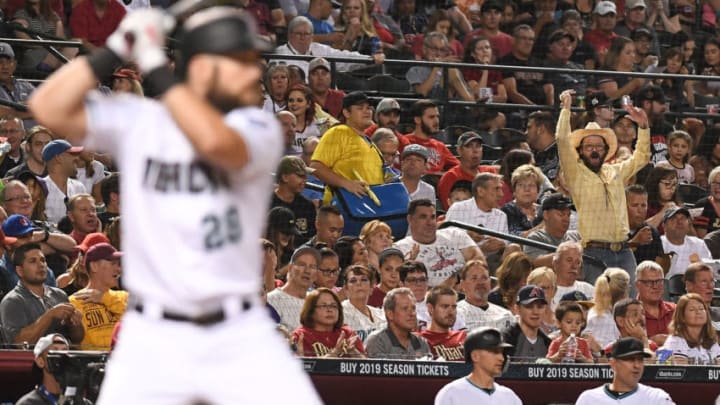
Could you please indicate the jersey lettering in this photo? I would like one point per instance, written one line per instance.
(196, 177)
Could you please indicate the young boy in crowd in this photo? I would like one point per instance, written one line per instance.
(571, 318)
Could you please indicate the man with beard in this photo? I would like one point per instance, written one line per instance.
(541, 138)
(442, 307)
(344, 152)
(597, 187)
(651, 99)
(387, 115)
(629, 315)
(475, 309)
(59, 157)
(426, 116)
(470, 151)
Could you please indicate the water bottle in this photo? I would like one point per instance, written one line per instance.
(571, 349)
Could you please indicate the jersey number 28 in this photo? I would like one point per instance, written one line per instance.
(222, 229)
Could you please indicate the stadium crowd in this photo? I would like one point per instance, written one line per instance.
(597, 215)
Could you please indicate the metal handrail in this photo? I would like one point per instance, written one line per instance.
(41, 42)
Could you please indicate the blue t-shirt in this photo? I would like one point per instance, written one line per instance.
(320, 26)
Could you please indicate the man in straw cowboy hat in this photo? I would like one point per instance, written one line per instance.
(597, 186)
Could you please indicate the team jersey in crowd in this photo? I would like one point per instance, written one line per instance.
(360, 323)
(602, 326)
(493, 316)
(463, 391)
(642, 395)
(443, 257)
(467, 211)
(99, 319)
(318, 344)
(195, 218)
(424, 318)
(694, 355)
(439, 156)
(287, 306)
(448, 345)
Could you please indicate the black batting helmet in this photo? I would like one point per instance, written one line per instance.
(483, 338)
(220, 31)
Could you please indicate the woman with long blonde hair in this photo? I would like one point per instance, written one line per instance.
(360, 34)
(612, 286)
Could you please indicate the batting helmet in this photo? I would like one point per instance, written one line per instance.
(482, 338)
(220, 31)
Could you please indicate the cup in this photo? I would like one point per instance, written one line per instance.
(713, 108)
(485, 93)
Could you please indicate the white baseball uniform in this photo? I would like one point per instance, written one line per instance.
(190, 237)
(642, 395)
(463, 391)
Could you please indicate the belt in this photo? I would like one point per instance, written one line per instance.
(207, 319)
(613, 246)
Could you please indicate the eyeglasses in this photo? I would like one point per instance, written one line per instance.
(358, 280)
(25, 197)
(418, 280)
(329, 272)
(669, 183)
(652, 283)
(591, 148)
(302, 34)
(328, 307)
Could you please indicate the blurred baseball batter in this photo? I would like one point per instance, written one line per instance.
(196, 184)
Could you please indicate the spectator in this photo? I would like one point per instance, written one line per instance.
(110, 192)
(583, 52)
(361, 34)
(645, 58)
(294, 8)
(92, 21)
(37, 188)
(541, 138)
(528, 340)
(625, 131)
(635, 21)
(282, 230)
(428, 81)
(300, 42)
(556, 218)
(709, 219)
(390, 261)
(311, 121)
(490, 16)
(76, 278)
(12, 89)
(414, 275)
(40, 16)
(658, 313)
(693, 339)
(610, 288)
(545, 278)
(12, 129)
(604, 18)
(439, 21)
(361, 317)
(277, 85)
(525, 87)
(59, 157)
(523, 212)
(480, 52)
(443, 252)
(101, 307)
(320, 80)
(599, 109)
(484, 349)
(629, 315)
(567, 263)
(35, 140)
(620, 57)
(387, 115)
(706, 156)
(414, 161)
(288, 123)
(662, 186)
(388, 144)
(344, 152)
(396, 341)
(17, 199)
(126, 80)
(329, 225)
(319, 11)
(626, 361)
(426, 116)
(322, 332)
(351, 250)
(289, 299)
(47, 383)
(82, 215)
(699, 279)
(444, 343)
(712, 240)
(592, 181)
(470, 151)
(511, 277)
(644, 239)
(652, 100)
(571, 318)
(709, 67)
(412, 22)
(560, 51)
(687, 248)
(482, 210)
(25, 318)
(512, 159)
(291, 177)
(376, 236)
(328, 270)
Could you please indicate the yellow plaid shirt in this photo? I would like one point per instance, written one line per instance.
(599, 197)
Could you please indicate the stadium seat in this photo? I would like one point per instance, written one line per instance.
(702, 100)
(349, 83)
(690, 194)
(390, 86)
(675, 287)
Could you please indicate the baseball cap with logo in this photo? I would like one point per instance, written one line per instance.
(318, 63)
(529, 294)
(579, 297)
(468, 137)
(628, 347)
(6, 240)
(641, 32)
(483, 338)
(283, 220)
(388, 104)
(560, 34)
(605, 7)
(17, 225)
(91, 240)
(354, 98)
(598, 99)
(671, 212)
(102, 251)
(415, 149)
(57, 147)
(46, 341)
(293, 165)
(6, 50)
(556, 201)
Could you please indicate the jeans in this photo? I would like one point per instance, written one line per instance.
(624, 259)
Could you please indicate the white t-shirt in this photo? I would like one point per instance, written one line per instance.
(423, 317)
(424, 190)
(582, 286)
(495, 316)
(467, 211)
(695, 355)
(287, 306)
(55, 203)
(360, 323)
(443, 257)
(681, 261)
(190, 230)
(462, 391)
(643, 395)
(602, 327)
(96, 178)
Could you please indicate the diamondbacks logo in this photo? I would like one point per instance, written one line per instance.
(536, 292)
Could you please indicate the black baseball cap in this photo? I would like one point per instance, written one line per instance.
(556, 201)
(579, 297)
(482, 339)
(627, 347)
(283, 220)
(671, 212)
(529, 294)
(560, 34)
(651, 93)
(597, 100)
(640, 32)
(492, 5)
(354, 98)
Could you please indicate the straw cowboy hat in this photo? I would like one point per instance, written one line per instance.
(593, 128)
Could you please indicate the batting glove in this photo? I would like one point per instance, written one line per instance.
(141, 37)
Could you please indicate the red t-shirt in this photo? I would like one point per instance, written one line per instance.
(376, 297)
(439, 156)
(446, 345)
(318, 344)
(86, 25)
(452, 176)
(383, 33)
(583, 346)
(599, 40)
(501, 43)
(261, 13)
(493, 80)
(333, 102)
(660, 324)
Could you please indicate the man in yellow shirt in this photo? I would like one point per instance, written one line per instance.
(597, 186)
(344, 152)
(100, 306)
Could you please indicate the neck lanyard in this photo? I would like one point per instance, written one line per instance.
(45, 393)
